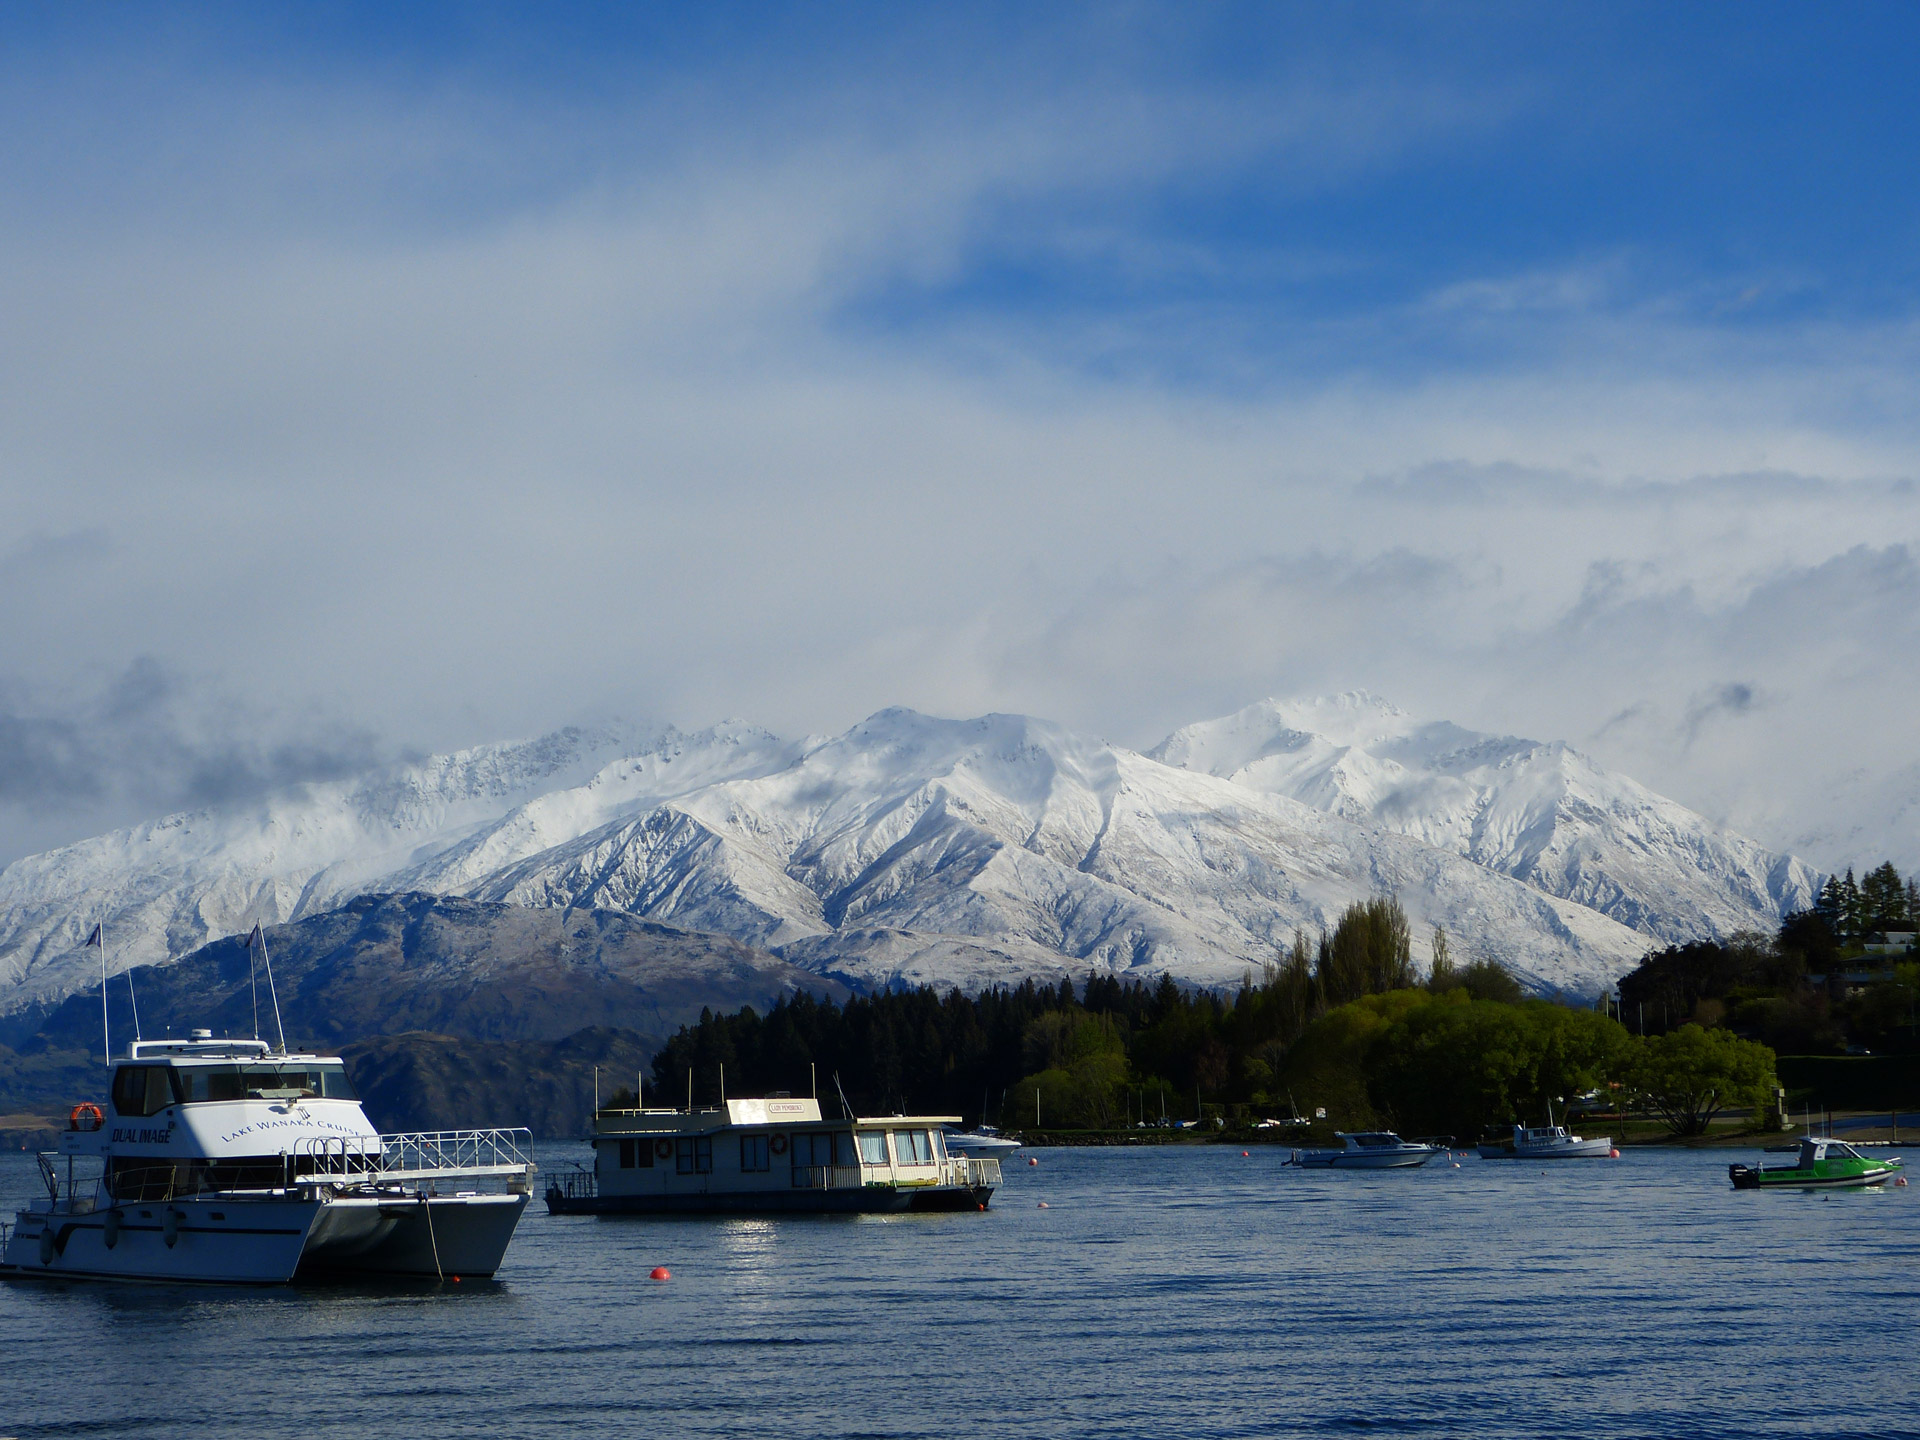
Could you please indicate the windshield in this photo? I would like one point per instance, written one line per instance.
(308, 1080)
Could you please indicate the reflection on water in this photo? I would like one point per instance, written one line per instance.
(1194, 1290)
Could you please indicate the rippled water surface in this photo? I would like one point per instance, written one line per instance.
(1192, 1292)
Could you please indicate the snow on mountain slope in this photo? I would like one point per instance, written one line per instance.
(973, 851)
(1543, 813)
(953, 852)
(165, 888)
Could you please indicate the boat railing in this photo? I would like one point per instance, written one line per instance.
(448, 1154)
(575, 1184)
(976, 1172)
(422, 1155)
(826, 1177)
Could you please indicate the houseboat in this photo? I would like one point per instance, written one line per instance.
(230, 1161)
(772, 1155)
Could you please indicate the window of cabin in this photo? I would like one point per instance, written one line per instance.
(141, 1090)
(912, 1147)
(753, 1153)
(843, 1148)
(694, 1155)
(643, 1152)
(873, 1147)
(134, 1177)
(626, 1155)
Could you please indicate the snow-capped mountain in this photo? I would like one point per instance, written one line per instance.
(1542, 813)
(918, 849)
(164, 888)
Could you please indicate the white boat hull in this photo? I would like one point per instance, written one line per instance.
(1349, 1160)
(268, 1240)
(1599, 1149)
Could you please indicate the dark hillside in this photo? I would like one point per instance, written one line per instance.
(439, 970)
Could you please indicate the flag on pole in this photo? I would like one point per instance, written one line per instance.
(95, 939)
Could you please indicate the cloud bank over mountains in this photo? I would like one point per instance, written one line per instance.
(382, 390)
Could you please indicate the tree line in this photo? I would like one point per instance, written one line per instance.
(1342, 1023)
(1789, 989)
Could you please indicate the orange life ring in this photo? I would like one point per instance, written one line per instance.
(663, 1148)
(86, 1108)
(778, 1144)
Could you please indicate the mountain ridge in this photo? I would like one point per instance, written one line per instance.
(914, 849)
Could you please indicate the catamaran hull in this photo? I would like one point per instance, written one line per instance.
(228, 1241)
(865, 1200)
(245, 1242)
(465, 1235)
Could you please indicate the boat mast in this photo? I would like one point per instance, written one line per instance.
(99, 937)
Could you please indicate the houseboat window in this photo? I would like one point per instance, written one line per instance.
(141, 1090)
(753, 1152)
(812, 1147)
(843, 1148)
(873, 1147)
(694, 1155)
(626, 1154)
(912, 1147)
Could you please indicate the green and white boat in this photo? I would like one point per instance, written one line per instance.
(1821, 1165)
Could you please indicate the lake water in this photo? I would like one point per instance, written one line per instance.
(1191, 1292)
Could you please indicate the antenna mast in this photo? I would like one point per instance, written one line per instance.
(266, 963)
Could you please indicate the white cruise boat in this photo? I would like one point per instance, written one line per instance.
(1370, 1150)
(978, 1144)
(228, 1161)
(765, 1156)
(1547, 1142)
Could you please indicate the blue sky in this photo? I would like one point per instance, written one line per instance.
(390, 378)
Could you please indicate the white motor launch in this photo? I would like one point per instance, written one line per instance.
(229, 1161)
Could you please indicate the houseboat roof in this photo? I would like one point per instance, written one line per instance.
(777, 1110)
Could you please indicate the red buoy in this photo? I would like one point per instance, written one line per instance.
(1243, 1154)
(1614, 1154)
(1032, 1161)
(660, 1272)
(1043, 1204)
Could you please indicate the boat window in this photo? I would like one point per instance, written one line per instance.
(244, 1172)
(264, 1082)
(753, 1152)
(912, 1147)
(1842, 1152)
(134, 1177)
(140, 1090)
(626, 1155)
(873, 1147)
(843, 1148)
(693, 1155)
(813, 1147)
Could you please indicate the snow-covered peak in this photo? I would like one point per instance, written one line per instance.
(1541, 812)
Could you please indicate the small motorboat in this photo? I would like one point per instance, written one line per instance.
(1547, 1142)
(978, 1143)
(1822, 1164)
(1370, 1150)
